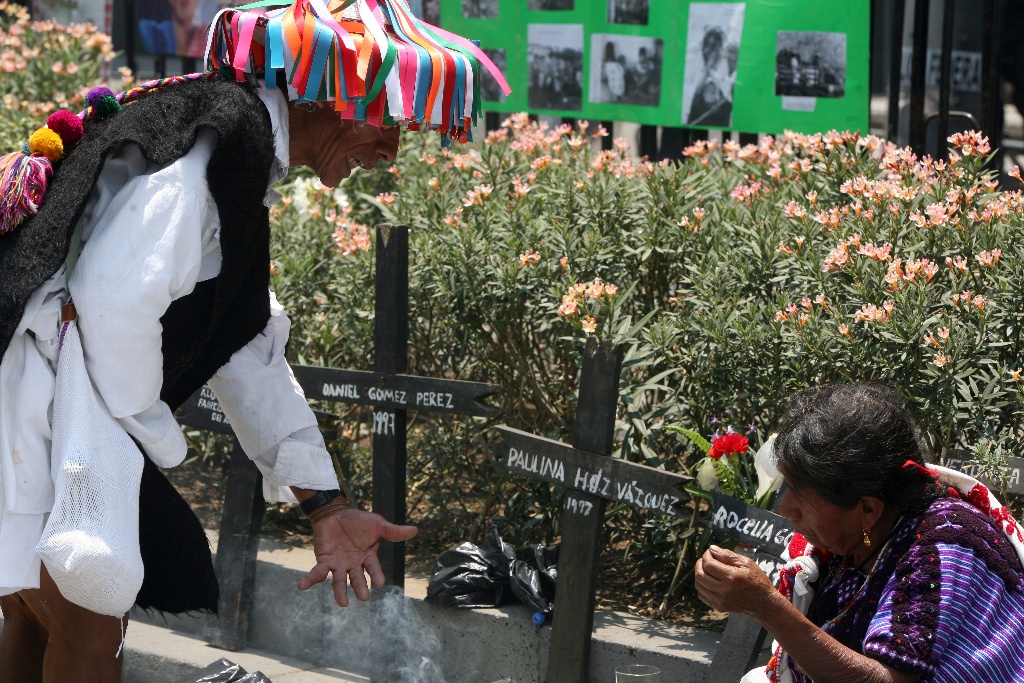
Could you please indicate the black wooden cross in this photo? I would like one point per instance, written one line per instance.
(594, 478)
(964, 461)
(770, 534)
(391, 393)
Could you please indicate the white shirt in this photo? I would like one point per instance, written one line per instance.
(150, 233)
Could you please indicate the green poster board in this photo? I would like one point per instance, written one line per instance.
(757, 66)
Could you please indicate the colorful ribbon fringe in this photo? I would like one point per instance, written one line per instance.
(24, 179)
(388, 68)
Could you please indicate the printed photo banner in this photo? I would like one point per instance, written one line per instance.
(761, 66)
(99, 13)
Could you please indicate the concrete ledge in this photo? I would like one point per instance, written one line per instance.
(306, 629)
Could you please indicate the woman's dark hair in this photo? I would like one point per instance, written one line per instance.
(847, 441)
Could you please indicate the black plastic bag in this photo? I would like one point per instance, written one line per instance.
(472, 576)
(225, 671)
(534, 575)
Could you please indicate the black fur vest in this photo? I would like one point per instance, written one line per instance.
(203, 329)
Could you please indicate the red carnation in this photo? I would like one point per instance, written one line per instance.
(727, 444)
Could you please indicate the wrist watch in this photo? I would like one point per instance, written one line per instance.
(318, 500)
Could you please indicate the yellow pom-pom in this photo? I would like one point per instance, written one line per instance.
(44, 141)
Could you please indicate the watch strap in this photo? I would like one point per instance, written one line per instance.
(320, 499)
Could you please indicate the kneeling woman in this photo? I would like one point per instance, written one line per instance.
(897, 573)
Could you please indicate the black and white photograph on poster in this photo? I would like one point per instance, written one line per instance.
(628, 11)
(810, 64)
(555, 60)
(479, 9)
(544, 5)
(489, 89)
(712, 49)
(625, 69)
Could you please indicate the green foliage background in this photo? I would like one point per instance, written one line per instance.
(725, 308)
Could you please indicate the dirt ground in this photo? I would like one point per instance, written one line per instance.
(622, 587)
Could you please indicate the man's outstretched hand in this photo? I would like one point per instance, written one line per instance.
(345, 543)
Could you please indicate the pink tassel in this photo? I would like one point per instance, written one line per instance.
(23, 183)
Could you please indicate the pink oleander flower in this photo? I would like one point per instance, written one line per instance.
(957, 263)
(387, 198)
(844, 330)
(869, 313)
(528, 258)
(941, 360)
(837, 258)
(970, 143)
(745, 193)
(452, 220)
(496, 136)
(589, 325)
(477, 195)
(989, 258)
(876, 253)
(894, 276)
(519, 188)
(939, 214)
(794, 210)
(541, 163)
(832, 217)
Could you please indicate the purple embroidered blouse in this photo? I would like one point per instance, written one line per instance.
(945, 600)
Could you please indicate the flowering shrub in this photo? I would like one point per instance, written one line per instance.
(748, 272)
(44, 66)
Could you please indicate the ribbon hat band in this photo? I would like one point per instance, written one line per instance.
(374, 59)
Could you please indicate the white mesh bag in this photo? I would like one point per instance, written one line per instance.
(90, 544)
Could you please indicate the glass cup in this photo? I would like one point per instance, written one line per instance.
(637, 673)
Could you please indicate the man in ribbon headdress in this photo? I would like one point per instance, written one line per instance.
(155, 222)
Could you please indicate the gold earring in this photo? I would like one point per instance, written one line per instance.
(867, 539)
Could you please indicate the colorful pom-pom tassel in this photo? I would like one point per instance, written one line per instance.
(97, 94)
(23, 183)
(67, 125)
(47, 143)
(103, 102)
(107, 106)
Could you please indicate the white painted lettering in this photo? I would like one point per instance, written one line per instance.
(383, 423)
(580, 480)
